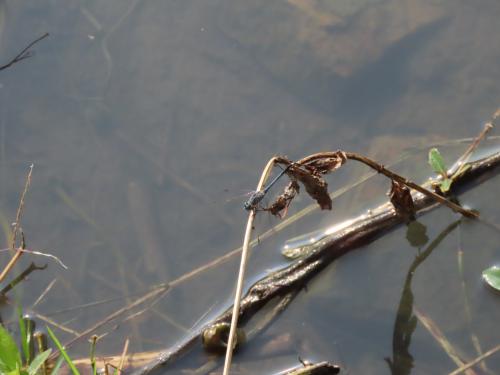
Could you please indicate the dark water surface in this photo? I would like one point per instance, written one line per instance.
(144, 118)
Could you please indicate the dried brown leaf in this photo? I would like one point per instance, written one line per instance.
(315, 186)
(327, 163)
(280, 206)
(308, 172)
(402, 201)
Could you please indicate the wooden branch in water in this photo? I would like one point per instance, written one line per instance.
(361, 230)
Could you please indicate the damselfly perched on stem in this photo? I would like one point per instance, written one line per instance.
(258, 195)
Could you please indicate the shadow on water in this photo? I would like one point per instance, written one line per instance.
(379, 85)
(402, 361)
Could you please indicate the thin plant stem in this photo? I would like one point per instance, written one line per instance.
(393, 176)
(15, 230)
(241, 273)
(24, 54)
(93, 342)
(439, 336)
(472, 147)
(161, 290)
(22, 276)
(123, 357)
(468, 315)
(475, 361)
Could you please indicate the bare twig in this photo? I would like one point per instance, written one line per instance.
(123, 357)
(439, 336)
(475, 361)
(62, 327)
(466, 155)
(393, 176)
(44, 293)
(32, 267)
(161, 290)
(241, 274)
(24, 54)
(15, 230)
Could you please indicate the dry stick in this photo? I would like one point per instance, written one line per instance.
(124, 355)
(15, 230)
(19, 278)
(24, 54)
(241, 274)
(439, 336)
(398, 178)
(393, 176)
(156, 292)
(52, 322)
(475, 361)
(466, 155)
(44, 293)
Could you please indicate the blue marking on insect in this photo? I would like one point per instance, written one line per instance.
(257, 196)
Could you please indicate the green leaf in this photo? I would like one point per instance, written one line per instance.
(437, 163)
(492, 277)
(57, 367)
(38, 362)
(10, 358)
(24, 334)
(445, 185)
(74, 370)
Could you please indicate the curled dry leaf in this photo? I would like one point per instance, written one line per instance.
(308, 172)
(280, 206)
(402, 201)
(315, 186)
(324, 163)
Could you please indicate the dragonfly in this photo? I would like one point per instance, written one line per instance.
(257, 196)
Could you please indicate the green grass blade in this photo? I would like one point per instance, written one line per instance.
(445, 185)
(10, 358)
(57, 367)
(38, 362)
(24, 335)
(74, 370)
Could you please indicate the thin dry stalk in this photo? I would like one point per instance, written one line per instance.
(393, 176)
(440, 338)
(420, 189)
(475, 361)
(52, 322)
(24, 54)
(15, 230)
(466, 155)
(44, 293)
(241, 274)
(123, 357)
(160, 291)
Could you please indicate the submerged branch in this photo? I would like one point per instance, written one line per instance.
(294, 277)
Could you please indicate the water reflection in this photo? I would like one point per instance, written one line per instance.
(402, 361)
